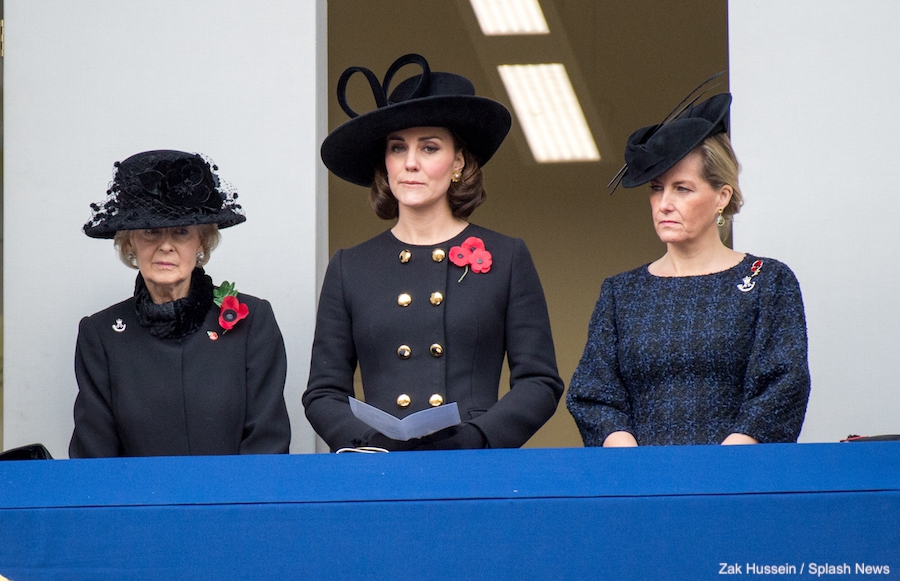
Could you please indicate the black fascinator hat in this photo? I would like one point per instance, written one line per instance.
(652, 151)
(163, 189)
(431, 99)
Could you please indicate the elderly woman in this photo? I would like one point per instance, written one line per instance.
(183, 367)
(705, 345)
(430, 308)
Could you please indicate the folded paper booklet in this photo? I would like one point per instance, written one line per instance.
(412, 426)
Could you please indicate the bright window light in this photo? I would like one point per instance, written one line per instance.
(504, 17)
(549, 113)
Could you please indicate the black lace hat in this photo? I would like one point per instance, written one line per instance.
(431, 99)
(162, 189)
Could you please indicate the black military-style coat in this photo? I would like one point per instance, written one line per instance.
(206, 393)
(423, 333)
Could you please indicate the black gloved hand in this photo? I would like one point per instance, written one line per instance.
(460, 437)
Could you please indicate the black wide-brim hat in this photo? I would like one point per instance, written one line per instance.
(164, 189)
(652, 151)
(432, 99)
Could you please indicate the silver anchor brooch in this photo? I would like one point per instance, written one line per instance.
(119, 326)
(748, 282)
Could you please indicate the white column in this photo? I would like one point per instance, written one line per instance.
(815, 125)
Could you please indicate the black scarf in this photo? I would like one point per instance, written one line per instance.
(178, 318)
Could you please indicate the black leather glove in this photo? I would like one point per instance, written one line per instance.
(459, 437)
(379, 440)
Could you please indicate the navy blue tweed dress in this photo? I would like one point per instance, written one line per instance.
(690, 360)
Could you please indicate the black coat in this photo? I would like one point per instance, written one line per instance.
(140, 395)
(481, 319)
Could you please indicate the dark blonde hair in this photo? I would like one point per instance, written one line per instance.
(464, 196)
(209, 239)
(720, 167)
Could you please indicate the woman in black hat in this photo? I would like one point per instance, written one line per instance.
(430, 308)
(182, 367)
(705, 345)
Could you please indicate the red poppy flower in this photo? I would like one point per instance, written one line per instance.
(232, 312)
(480, 260)
(472, 244)
(471, 253)
(459, 256)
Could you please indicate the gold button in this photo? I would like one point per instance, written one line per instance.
(436, 298)
(404, 351)
(403, 400)
(438, 255)
(435, 400)
(404, 300)
(405, 255)
(437, 350)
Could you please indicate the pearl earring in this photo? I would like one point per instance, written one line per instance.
(200, 256)
(455, 178)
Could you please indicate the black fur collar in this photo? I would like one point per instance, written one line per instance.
(175, 319)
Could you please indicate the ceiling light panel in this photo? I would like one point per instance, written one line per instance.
(549, 112)
(508, 17)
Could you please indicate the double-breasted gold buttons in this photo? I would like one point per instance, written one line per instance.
(404, 299)
(405, 255)
(437, 350)
(438, 255)
(403, 400)
(436, 400)
(404, 351)
(436, 298)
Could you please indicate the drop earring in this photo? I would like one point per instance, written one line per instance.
(720, 219)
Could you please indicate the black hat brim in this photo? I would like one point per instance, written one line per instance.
(109, 227)
(353, 150)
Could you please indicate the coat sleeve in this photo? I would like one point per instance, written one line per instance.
(267, 428)
(777, 382)
(331, 370)
(535, 385)
(597, 398)
(95, 434)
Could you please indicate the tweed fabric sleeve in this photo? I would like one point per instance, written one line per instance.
(597, 398)
(777, 381)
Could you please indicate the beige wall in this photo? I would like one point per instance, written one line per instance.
(631, 62)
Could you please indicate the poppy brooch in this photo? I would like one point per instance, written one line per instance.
(231, 309)
(748, 283)
(471, 253)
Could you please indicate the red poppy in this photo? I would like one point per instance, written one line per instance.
(459, 256)
(471, 253)
(480, 260)
(472, 244)
(232, 312)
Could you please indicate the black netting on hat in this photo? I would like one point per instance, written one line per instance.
(161, 189)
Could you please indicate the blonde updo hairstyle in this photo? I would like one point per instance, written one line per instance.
(209, 239)
(720, 167)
